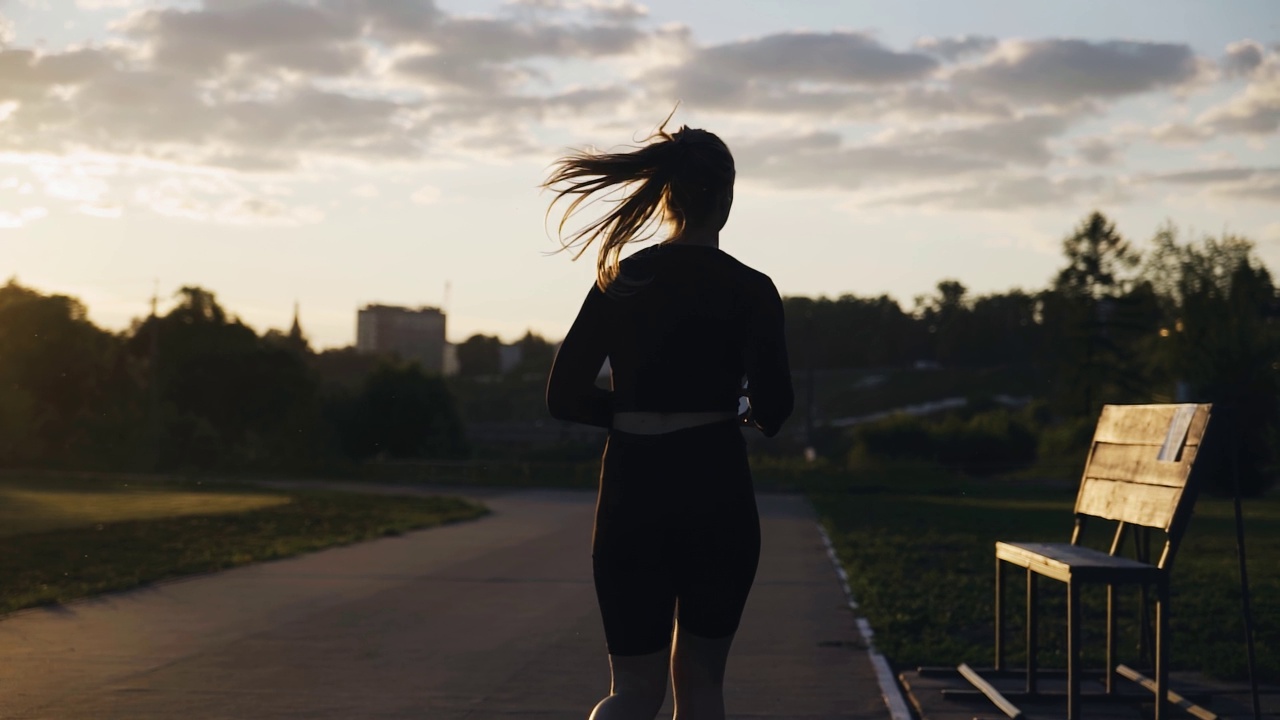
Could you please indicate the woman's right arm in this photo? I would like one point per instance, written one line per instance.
(572, 393)
(768, 368)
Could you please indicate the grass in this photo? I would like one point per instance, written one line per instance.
(25, 510)
(81, 538)
(920, 560)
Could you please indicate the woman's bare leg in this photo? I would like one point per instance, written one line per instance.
(697, 673)
(638, 689)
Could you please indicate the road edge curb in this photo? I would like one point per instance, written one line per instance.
(890, 692)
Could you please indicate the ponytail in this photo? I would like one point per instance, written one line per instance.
(645, 176)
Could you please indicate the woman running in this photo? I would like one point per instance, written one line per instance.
(688, 331)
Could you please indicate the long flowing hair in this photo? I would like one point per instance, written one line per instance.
(673, 179)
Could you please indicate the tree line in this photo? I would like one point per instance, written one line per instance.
(195, 388)
(1178, 320)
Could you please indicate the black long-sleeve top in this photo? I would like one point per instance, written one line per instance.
(696, 323)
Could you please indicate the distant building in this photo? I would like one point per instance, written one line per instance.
(415, 334)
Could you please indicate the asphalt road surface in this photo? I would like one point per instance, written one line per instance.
(494, 618)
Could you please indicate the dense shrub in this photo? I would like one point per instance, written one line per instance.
(1066, 439)
(986, 442)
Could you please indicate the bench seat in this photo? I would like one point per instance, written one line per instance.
(1064, 561)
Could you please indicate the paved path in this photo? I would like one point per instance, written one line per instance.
(489, 619)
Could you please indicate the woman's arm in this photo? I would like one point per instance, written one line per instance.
(767, 366)
(572, 393)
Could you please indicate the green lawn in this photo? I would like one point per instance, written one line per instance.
(30, 508)
(61, 540)
(920, 560)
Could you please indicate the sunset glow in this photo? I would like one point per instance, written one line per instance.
(344, 153)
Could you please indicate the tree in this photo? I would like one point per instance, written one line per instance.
(1092, 312)
(401, 412)
(1218, 342)
(480, 355)
(55, 371)
(536, 354)
(1098, 259)
(226, 397)
(946, 318)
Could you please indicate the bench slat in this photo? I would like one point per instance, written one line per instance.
(1147, 505)
(1064, 562)
(1067, 555)
(1145, 424)
(1138, 464)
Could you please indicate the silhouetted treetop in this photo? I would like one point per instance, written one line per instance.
(1098, 260)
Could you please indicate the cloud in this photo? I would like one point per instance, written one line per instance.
(1063, 71)
(105, 211)
(164, 115)
(1248, 183)
(620, 11)
(1023, 140)
(791, 72)
(1268, 191)
(84, 183)
(472, 76)
(844, 58)
(107, 4)
(283, 35)
(821, 159)
(13, 220)
(956, 48)
(219, 199)
(1012, 193)
(26, 75)
(1256, 109)
(1097, 150)
(981, 166)
(1213, 175)
(1242, 58)
(501, 40)
(1179, 134)
(277, 90)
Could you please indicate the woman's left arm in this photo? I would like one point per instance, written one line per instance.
(572, 393)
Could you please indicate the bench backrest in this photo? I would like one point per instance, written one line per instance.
(1139, 466)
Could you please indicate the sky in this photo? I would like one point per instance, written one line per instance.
(335, 153)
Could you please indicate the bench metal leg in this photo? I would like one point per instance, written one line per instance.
(1000, 587)
(1162, 650)
(1142, 542)
(1032, 622)
(1111, 638)
(1073, 650)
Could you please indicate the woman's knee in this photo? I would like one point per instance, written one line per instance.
(641, 676)
(699, 662)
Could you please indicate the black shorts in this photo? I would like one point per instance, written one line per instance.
(676, 531)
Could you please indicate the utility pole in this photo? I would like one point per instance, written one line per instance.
(810, 453)
(153, 384)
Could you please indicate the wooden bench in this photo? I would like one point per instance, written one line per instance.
(1139, 474)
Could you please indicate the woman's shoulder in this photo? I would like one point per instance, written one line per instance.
(753, 277)
(644, 262)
